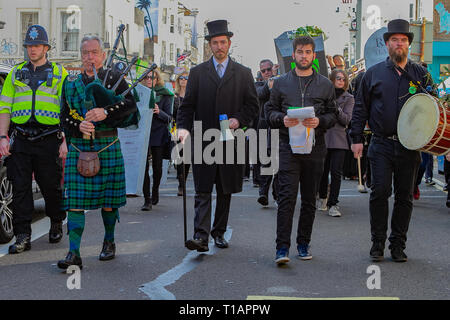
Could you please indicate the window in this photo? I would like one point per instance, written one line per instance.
(180, 25)
(27, 20)
(172, 24)
(164, 15)
(69, 33)
(171, 51)
(163, 52)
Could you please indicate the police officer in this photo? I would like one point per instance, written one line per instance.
(30, 113)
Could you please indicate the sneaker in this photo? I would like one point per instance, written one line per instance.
(262, 200)
(398, 255)
(416, 193)
(377, 251)
(322, 204)
(303, 252)
(334, 211)
(429, 182)
(282, 256)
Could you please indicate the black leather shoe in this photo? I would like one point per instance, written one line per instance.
(197, 244)
(108, 251)
(155, 197)
(220, 242)
(180, 191)
(398, 255)
(23, 243)
(147, 205)
(56, 233)
(263, 200)
(377, 252)
(71, 260)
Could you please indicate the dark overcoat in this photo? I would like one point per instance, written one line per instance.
(207, 96)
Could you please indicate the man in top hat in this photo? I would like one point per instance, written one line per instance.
(215, 88)
(384, 89)
(30, 114)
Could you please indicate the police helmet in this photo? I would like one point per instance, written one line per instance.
(36, 35)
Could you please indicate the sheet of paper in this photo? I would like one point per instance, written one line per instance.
(301, 113)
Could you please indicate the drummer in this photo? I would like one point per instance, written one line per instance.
(385, 87)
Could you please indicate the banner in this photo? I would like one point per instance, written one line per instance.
(134, 144)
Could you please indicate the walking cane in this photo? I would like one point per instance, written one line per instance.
(184, 202)
(361, 187)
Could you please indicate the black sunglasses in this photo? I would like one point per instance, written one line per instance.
(184, 78)
(266, 70)
(340, 78)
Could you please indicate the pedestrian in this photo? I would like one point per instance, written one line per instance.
(180, 92)
(301, 87)
(337, 145)
(336, 62)
(30, 113)
(263, 89)
(217, 87)
(426, 159)
(93, 130)
(160, 138)
(385, 88)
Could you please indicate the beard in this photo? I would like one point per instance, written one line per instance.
(302, 67)
(396, 57)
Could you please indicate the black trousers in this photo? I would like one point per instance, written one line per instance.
(447, 171)
(334, 163)
(42, 159)
(390, 161)
(294, 169)
(203, 208)
(157, 164)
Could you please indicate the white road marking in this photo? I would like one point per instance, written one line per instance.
(156, 290)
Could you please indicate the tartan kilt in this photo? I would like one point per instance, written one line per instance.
(105, 190)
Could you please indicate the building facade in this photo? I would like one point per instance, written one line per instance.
(66, 24)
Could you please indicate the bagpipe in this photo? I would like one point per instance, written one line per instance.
(97, 95)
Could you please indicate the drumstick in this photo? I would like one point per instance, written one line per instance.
(360, 186)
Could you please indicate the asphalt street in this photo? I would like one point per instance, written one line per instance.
(152, 263)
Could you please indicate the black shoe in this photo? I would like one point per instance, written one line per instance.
(108, 251)
(445, 187)
(377, 252)
(23, 243)
(448, 203)
(262, 200)
(220, 242)
(56, 233)
(155, 197)
(147, 205)
(71, 260)
(180, 191)
(197, 244)
(398, 255)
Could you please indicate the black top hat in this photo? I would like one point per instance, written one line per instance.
(398, 26)
(218, 28)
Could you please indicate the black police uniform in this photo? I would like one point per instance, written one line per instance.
(35, 149)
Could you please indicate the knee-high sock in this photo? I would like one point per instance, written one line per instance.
(109, 221)
(75, 225)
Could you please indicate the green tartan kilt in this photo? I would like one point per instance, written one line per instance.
(105, 190)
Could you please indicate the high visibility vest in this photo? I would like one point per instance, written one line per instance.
(19, 100)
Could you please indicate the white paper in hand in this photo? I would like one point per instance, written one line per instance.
(301, 113)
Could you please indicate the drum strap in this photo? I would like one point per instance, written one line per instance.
(410, 78)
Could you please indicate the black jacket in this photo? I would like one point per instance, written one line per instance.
(381, 96)
(263, 92)
(286, 92)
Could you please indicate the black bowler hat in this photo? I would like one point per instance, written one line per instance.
(398, 26)
(218, 28)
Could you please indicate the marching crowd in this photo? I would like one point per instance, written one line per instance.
(46, 116)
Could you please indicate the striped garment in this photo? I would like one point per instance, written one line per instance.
(106, 189)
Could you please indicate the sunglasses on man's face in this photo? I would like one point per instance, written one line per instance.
(266, 70)
(184, 78)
